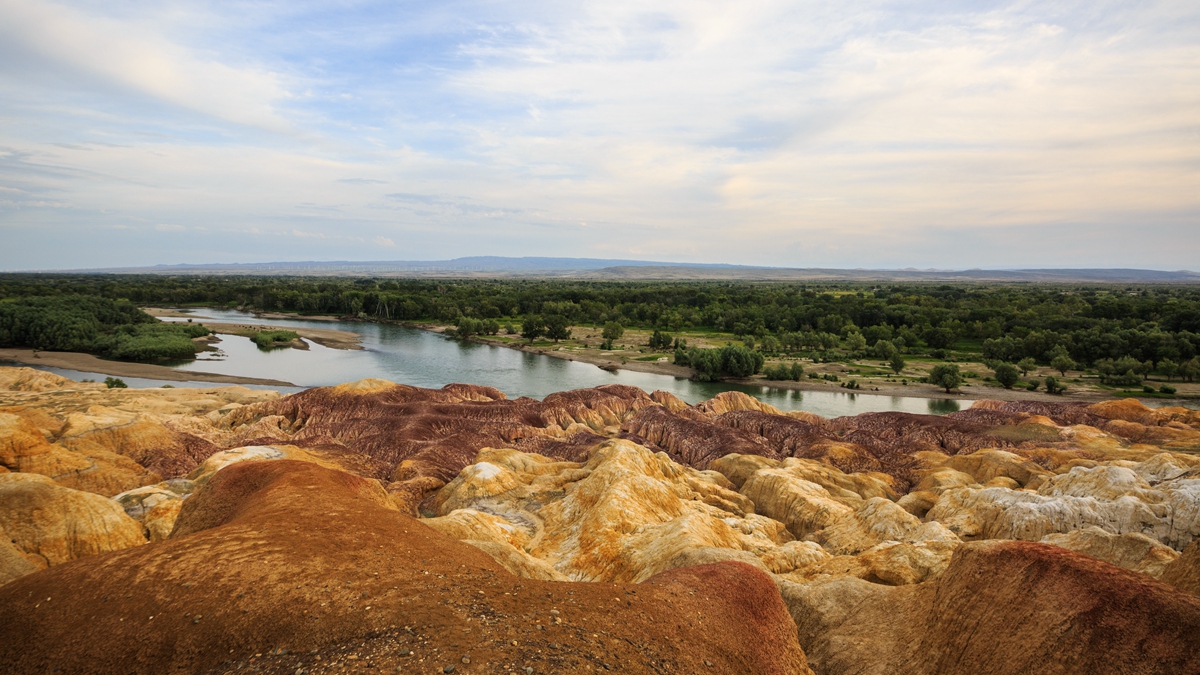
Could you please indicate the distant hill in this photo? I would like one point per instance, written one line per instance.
(616, 269)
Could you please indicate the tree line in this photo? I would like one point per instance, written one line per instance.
(1007, 323)
(114, 329)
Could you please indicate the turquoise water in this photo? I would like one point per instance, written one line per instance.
(424, 359)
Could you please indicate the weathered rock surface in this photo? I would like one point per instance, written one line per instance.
(1184, 572)
(861, 520)
(284, 562)
(52, 524)
(1113, 498)
(23, 448)
(1000, 608)
(1132, 550)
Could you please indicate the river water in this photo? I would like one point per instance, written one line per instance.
(424, 359)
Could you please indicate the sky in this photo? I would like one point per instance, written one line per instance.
(844, 134)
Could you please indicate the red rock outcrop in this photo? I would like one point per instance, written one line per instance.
(286, 565)
(1002, 608)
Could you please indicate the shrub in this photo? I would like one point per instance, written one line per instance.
(1052, 385)
(1007, 375)
(267, 338)
(612, 331)
(945, 375)
(1167, 389)
(115, 383)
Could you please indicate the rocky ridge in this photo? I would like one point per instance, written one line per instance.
(871, 528)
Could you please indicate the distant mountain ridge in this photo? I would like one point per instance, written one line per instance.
(617, 269)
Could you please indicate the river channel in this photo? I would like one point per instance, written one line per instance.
(425, 359)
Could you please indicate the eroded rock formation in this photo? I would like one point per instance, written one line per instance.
(309, 522)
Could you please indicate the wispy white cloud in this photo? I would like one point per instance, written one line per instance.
(833, 134)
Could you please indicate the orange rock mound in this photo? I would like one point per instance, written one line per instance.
(288, 565)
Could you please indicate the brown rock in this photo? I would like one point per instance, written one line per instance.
(289, 554)
(1184, 572)
(1003, 608)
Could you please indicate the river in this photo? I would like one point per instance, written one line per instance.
(425, 359)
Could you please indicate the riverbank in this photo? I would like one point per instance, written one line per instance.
(326, 337)
(92, 364)
(580, 349)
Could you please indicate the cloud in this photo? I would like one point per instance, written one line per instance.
(382, 241)
(133, 55)
(830, 134)
(164, 227)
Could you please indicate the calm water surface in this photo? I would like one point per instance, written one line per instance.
(424, 359)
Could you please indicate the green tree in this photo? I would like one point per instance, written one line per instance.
(660, 340)
(945, 375)
(740, 361)
(115, 383)
(1053, 386)
(897, 363)
(855, 342)
(557, 327)
(533, 327)
(797, 371)
(1026, 364)
(1007, 375)
(1168, 368)
(1062, 363)
(1190, 370)
(613, 331)
(466, 327)
(884, 349)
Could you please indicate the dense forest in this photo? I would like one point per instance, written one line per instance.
(1088, 324)
(115, 329)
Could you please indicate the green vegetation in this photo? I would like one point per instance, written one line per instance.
(612, 332)
(1120, 332)
(266, 339)
(1007, 374)
(115, 383)
(945, 375)
(533, 328)
(660, 340)
(80, 323)
(782, 372)
(557, 327)
(1053, 387)
(711, 364)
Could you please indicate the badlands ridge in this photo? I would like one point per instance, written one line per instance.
(374, 527)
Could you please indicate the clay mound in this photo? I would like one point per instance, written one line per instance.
(1184, 572)
(732, 401)
(1003, 608)
(891, 433)
(304, 567)
(694, 443)
(51, 524)
(1063, 414)
(31, 379)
